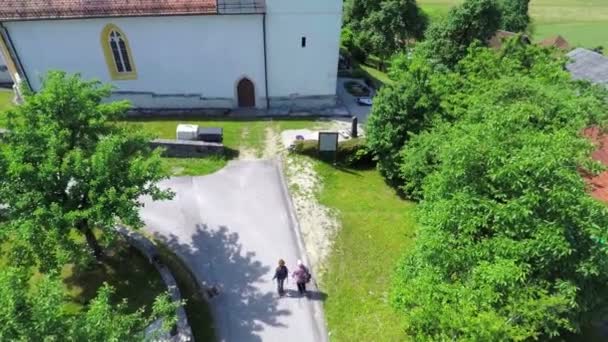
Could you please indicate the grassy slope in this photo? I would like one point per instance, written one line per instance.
(136, 280)
(582, 22)
(197, 310)
(238, 134)
(377, 227)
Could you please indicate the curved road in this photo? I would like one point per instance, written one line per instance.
(231, 228)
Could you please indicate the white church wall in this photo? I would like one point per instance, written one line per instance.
(5, 76)
(304, 76)
(181, 62)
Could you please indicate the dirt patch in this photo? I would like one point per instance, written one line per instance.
(272, 144)
(318, 223)
(177, 170)
(246, 153)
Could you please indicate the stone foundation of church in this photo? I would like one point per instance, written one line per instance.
(150, 102)
(305, 103)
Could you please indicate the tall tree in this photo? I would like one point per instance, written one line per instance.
(391, 27)
(515, 16)
(384, 27)
(71, 170)
(474, 20)
(401, 110)
(511, 245)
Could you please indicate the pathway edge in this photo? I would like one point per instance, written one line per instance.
(317, 306)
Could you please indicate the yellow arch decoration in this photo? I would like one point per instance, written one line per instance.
(107, 51)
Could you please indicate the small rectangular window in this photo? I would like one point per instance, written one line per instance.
(303, 41)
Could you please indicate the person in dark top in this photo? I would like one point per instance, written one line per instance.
(281, 275)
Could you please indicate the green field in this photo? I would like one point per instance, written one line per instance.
(582, 22)
(377, 227)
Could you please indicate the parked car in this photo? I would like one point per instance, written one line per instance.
(365, 101)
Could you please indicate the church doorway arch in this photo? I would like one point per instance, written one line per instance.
(246, 93)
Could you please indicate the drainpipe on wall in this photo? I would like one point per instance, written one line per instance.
(265, 62)
(14, 56)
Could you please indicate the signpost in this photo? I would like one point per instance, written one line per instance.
(328, 146)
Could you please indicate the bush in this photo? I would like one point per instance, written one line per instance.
(358, 73)
(356, 89)
(353, 153)
(351, 44)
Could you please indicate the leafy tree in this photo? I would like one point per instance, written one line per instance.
(447, 40)
(509, 245)
(424, 94)
(349, 41)
(36, 313)
(393, 26)
(70, 170)
(357, 10)
(400, 110)
(384, 27)
(515, 17)
(522, 75)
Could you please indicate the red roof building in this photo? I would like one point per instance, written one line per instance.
(599, 183)
(63, 9)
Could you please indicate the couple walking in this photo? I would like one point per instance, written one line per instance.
(301, 275)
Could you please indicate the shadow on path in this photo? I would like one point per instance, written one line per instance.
(241, 308)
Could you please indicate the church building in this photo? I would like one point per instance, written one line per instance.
(181, 54)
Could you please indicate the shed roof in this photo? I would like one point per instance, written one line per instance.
(557, 42)
(67, 9)
(588, 65)
(598, 183)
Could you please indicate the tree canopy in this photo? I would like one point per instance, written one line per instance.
(384, 27)
(36, 313)
(448, 39)
(70, 170)
(515, 16)
(509, 245)
(510, 241)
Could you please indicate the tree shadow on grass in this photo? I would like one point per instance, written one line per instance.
(240, 308)
(125, 269)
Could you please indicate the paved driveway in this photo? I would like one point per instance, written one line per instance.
(231, 228)
(350, 101)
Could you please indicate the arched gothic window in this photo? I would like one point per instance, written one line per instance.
(118, 53)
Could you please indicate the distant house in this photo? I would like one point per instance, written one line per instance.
(588, 65)
(557, 42)
(181, 54)
(500, 36)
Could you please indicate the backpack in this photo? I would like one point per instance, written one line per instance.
(308, 275)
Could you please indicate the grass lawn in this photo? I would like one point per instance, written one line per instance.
(581, 22)
(377, 228)
(240, 135)
(378, 76)
(125, 269)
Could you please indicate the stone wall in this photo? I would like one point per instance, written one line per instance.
(149, 250)
(188, 149)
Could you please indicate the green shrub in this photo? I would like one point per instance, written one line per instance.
(352, 153)
(356, 89)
